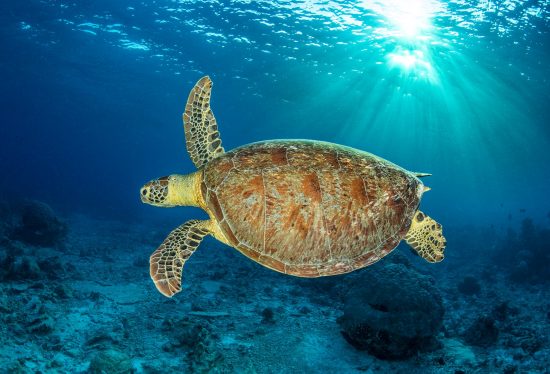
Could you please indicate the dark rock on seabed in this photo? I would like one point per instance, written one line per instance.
(37, 224)
(525, 255)
(483, 332)
(469, 286)
(88, 305)
(393, 313)
(110, 361)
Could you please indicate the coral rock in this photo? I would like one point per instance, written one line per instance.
(268, 316)
(110, 361)
(39, 226)
(392, 312)
(20, 268)
(482, 333)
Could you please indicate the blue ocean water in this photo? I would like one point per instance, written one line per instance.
(92, 94)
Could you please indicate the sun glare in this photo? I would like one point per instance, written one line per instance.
(410, 18)
(405, 18)
(404, 59)
(412, 62)
(407, 27)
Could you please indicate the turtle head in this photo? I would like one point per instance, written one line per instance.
(173, 190)
(155, 192)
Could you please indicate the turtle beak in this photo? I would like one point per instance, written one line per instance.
(155, 192)
(145, 193)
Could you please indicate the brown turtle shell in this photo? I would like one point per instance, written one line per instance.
(310, 208)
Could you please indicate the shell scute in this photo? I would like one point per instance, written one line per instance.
(222, 166)
(244, 197)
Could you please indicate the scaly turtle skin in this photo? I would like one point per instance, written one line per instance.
(300, 207)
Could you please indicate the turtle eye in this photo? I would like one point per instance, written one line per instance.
(144, 191)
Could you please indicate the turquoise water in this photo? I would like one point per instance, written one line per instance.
(92, 94)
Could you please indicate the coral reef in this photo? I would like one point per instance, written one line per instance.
(525, 256)
(392, 312)
(89, 306)
(197, 339)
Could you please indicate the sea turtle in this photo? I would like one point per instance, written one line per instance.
(300, 207)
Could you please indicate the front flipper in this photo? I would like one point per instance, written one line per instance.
(426, 237)
(166, 263)
(201, 131)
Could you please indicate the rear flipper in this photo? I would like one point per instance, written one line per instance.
(166, 263)
(426, 237)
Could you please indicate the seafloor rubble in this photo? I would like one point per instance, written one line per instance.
(78, 298)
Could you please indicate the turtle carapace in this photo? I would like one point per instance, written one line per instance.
(301, 207)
